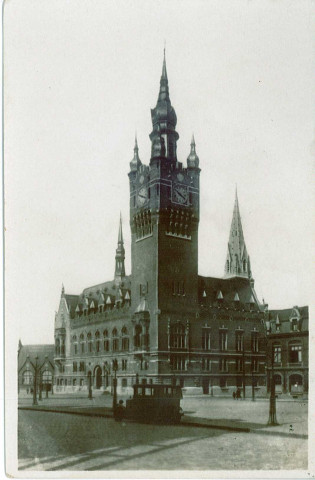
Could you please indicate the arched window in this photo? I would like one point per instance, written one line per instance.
(137, 337)
(97, 341)
(27, 378)
(106, 341)
(62, 346)
(82, 343)
(125, 339)
(90, 342)
(47, 377)
(57, 346)
(75, 344)
(178, 336)
(115, 340)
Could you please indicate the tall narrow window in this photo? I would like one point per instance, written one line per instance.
(239, 341)
(115, 340)
(223, 341)
(277, 353)
(205, 340)
(254, 341)
(125, 339)
(97, 341)
(295, 353)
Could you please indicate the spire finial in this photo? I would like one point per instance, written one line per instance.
(120, 234)
(164, 72)
(62, 289)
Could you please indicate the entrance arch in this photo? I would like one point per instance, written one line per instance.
(98, 377)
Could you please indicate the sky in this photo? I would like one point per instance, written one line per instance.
(80, 78)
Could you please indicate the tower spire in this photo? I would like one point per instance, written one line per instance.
(120, 256)
(164, 122)
(237, 260)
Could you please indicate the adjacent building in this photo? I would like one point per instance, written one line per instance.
(164, 322)
(32, 358)
(287, 354)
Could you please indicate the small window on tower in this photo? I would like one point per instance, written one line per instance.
(157, 189)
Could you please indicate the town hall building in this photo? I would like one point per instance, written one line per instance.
(164, 322)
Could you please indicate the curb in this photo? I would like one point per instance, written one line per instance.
(183, 423)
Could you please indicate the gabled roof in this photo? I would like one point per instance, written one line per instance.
(32, 350)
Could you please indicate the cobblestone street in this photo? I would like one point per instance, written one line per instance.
(72, 442)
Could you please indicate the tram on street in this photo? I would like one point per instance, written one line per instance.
(155, 404)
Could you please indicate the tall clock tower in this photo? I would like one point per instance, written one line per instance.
(164, 218)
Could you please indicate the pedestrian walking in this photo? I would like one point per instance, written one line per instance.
(120, 411)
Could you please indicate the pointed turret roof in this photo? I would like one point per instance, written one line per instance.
(193, 159)
(163, 115)
(237, 261)
(135, 162)
(120, 256)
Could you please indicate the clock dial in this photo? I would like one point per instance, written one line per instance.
(180, 194)
(142, 196)
(141, 179)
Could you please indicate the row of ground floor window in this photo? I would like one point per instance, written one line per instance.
(205, 383)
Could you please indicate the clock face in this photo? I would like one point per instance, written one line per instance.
(142, 196)
(180, 194)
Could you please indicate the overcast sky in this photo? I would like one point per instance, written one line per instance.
(80, 79)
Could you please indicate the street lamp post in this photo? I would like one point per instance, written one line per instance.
(253, 386)
(90, 385)
(35, 381)
(40, 386)
(272, 401)
(244, 377)
(115, 368)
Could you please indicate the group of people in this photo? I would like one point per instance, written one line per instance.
(237, 394)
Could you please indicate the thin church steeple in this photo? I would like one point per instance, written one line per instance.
(237, 260)
(120, 256)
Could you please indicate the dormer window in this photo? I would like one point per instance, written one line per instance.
(294, 324)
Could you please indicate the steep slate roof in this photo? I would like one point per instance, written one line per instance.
(32, 350)
(210, 288)
(92, 297)
(284, 316)
(72, 302)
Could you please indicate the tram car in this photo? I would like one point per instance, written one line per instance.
(155, 404)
